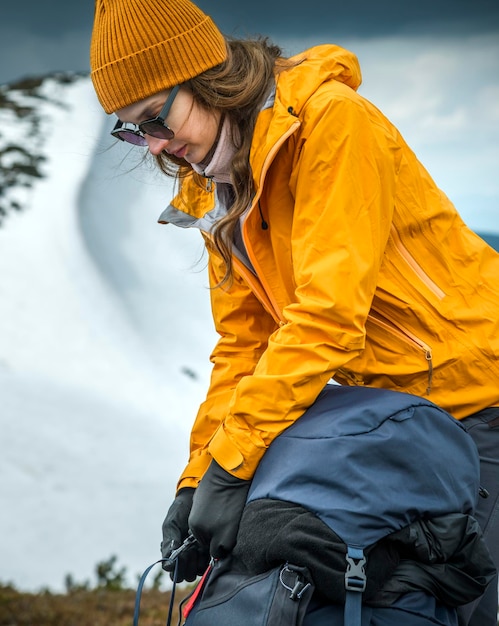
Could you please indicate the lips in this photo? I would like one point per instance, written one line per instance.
(180, 153)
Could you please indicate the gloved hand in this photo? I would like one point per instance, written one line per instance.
(216, 510)
(194, 560)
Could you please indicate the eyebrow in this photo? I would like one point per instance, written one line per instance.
(147, 113)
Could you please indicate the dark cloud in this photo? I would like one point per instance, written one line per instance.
(355, 17)
(350, 17)
(55, 34)
(49, 18)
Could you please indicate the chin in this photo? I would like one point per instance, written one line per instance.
(193, 158)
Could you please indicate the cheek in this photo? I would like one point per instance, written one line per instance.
(211, 130)
(205, 126)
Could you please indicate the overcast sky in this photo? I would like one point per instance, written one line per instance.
(39, 37)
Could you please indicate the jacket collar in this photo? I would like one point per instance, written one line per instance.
(279, 118)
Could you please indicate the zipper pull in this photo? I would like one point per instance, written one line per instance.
(483, 492)
(429, 359)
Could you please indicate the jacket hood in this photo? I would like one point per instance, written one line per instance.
(314, 67)
(294, 87)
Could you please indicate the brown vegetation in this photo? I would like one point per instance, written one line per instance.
(109, 602)
(83, 607)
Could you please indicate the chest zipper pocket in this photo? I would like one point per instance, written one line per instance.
(414, 265)
(407, 337)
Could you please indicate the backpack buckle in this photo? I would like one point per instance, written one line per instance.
(355, 575)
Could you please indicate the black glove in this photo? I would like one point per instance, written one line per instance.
(216, 510)
(194, 560)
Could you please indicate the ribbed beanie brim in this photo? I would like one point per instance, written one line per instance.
(140, 47)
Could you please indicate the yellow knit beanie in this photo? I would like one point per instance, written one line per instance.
(140, 47)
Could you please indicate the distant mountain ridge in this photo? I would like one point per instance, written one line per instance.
(492, 240)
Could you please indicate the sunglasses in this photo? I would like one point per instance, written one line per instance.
(155, 127)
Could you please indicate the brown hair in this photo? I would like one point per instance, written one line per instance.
(237, 87)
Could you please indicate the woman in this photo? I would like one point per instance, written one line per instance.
(332, 253)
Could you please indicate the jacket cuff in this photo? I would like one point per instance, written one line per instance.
(239, 463)
(194, 471)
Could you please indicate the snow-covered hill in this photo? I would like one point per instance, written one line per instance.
(105, 333)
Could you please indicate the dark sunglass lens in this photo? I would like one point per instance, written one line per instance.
(158, 130)
(130, 137)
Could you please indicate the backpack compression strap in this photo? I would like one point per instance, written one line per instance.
(355, 584)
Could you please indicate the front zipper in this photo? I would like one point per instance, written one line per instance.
(253, 282)
(256, 282)
(414, 265)
(256, 287)
(407, 337)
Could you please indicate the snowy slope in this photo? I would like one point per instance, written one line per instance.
(104, 339)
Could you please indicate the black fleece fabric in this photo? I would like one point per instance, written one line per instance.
(445, 557)
(274, 532)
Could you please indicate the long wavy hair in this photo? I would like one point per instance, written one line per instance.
(237, 88)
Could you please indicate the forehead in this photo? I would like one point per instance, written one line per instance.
(143, 109)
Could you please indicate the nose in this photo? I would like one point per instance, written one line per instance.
(156, 145)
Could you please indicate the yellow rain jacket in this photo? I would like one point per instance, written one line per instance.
(360, 270)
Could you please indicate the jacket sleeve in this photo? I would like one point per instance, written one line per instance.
(244, 328)
(343, 173)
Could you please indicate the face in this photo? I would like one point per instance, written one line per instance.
(195, 128)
